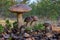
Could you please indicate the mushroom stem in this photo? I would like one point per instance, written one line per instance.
(19, 20)
(31, 22)
(26, 23)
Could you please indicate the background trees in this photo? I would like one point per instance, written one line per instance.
(43, 8)
(46, 8)
(5, 4)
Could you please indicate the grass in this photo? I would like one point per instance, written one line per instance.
(3, 22)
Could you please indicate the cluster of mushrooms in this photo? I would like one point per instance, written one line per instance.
(31, 20)
(20, 9)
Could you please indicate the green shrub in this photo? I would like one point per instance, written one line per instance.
(28, 28)
(1, 28)
(39, 27)
(15, 24)
(8, 24)
(36, 27)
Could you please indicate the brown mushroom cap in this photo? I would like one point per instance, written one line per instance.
(20, 8)
(35, 18)
(28, 19)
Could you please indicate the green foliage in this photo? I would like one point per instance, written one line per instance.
(7, 21)
(39, 27)
(28, 28)
(1, 28)
(36, 27)
(4, 6)
(45, 8)
(8, 24)
(15, 24)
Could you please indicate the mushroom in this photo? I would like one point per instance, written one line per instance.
(27, 20)
(35, 18)
(20, 9)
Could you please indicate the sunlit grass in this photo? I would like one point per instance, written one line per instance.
(3, 22)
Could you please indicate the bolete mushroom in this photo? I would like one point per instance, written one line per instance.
(20, 9)
(35, 18)
(27, 20)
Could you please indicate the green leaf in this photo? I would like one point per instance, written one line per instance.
(1, 28)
